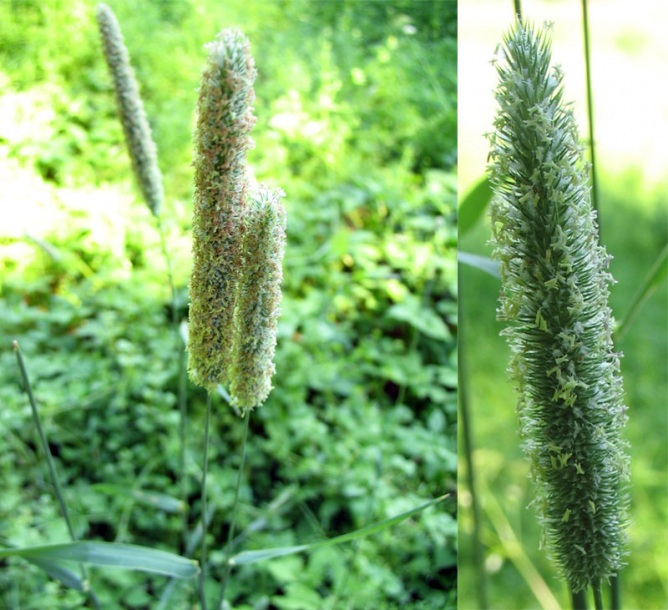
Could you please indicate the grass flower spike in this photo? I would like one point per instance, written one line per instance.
(555, 300)
(259, 299)
(238, 237)
(141, 147)
(225, 119)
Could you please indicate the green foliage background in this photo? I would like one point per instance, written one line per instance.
(356, 107)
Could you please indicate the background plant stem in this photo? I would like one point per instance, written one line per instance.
(467, 435)
(590, 113)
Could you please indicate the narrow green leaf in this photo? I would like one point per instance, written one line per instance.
(146, 497)
(473, 205)
(247, 557)
(480, 262)
(657, 274)
(126, 556)
(58, 572)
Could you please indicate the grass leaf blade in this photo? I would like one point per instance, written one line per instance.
(247, 557)
(126, 556)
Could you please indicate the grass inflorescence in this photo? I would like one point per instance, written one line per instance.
(555, 300)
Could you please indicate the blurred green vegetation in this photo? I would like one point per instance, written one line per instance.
(634, 231)
(356, 107)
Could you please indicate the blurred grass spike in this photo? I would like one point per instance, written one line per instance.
(555, 300)
(142, 149)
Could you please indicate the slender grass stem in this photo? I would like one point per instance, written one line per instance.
(230, 536)
(467, 438)
(183, 411)
(598, 597)
(51, 462)
(205, 466)
(590, 111)
(518, 8)
(579, 600)
(615, 593)
(170, 273)
(182, 378)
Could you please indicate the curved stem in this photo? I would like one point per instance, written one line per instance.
(51, 462)
(230, 537)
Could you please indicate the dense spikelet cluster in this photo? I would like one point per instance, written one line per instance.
(141, 147)
(258, 299)
(238, 237)
(555, 299)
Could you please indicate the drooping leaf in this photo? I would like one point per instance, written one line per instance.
(247, 557)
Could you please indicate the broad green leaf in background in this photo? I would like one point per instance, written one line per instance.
(421, 318)
(473, 205)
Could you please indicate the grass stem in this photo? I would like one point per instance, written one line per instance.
(467, 441)
(205, 466)
(590, 111)
(615, 593)
(598, 597)
(182, 378)
(230, 536)
(579, 600)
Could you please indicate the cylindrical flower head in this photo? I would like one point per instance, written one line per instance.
(555, 298)
(225, 119)
(259, 299)
(141, 147)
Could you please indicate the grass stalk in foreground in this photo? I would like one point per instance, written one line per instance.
(205, 468)
(51, 462)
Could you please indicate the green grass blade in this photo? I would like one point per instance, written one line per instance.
(58, 572)
(168, 504)
(247, 557)
(656, 276)
(473, 206)
(483, 263)
(126, 556)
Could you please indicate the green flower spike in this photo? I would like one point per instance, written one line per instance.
(555, 300)
(225, 119)
(141, 147)
(258, 300)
